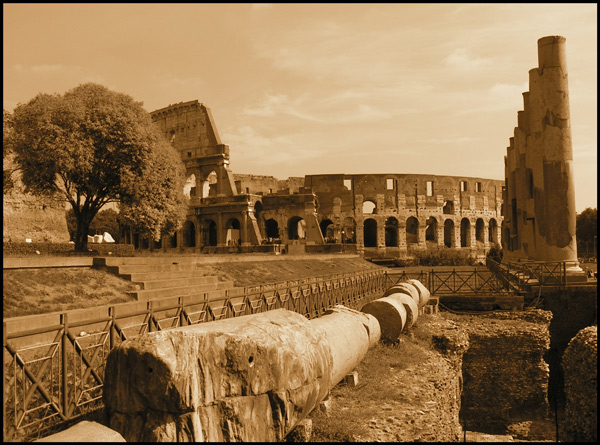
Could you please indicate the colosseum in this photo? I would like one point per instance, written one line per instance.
(384, 215)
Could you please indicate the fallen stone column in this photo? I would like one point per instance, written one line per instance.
(390, 313)
(350, 334)
(249, 378)
(398, 309)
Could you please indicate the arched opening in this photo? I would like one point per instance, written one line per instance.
(370, 232)
(173, 240)
(327, 230)
(157, 244)
(412, 230)
(448, 208)
(431, 230)
(145, 243)
(209, 185)
(136, 240)
(479, 232)
(296, 228)
(349, 231)
(369, 207)
(189, 188)
(233, 237)
(493, 232)
(449, 233)
(271, 230)
(258, 207)
(465, 233)
(189, 234)
(210, 233)
(391, 232)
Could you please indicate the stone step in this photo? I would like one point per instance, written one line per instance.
(147, 268)
(138, 277)
(176, 282)
(150, 294)
(123, 261)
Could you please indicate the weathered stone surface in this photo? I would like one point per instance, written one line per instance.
(250, 378)
(504, 373)
(424, 293)
(346, 331)
(85, 431)
(412, 310)
(390, 313)
(404, 288)
(580, 365)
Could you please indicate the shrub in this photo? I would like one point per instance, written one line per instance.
(444, 257)
(64, 249)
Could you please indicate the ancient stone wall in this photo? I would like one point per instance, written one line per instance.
(539, 200)
(580, 365)
(25, 216)
(505, 377)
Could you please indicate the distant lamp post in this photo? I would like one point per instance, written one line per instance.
(343, 233)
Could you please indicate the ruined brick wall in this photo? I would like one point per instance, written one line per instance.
(25, 216)
(580, 365)
(539, 212)
(429, 200)
(505, 377)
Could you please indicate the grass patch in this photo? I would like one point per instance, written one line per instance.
(374, 371)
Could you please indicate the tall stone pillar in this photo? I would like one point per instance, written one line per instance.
(540, 200)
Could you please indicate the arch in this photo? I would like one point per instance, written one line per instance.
(493, 231)
(209, 187)
(448, 208)
(233, 234)
(449, 233)
(479, 231)
(210, 232)
(189, 188)
(258, 207)
(189, 234)
(173, 240)
(369, 207)
(412, 230)
(271, 229)
(157, 244)
(465, 233)
(296, 228)
(370, 233)
(326, 226)
(145, 242)
(349, 230)
(391, 232)
(431, 229)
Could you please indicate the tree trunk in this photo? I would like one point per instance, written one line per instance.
(83, 228)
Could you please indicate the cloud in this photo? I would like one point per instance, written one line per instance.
(461, 59)
(278, 105)
(47, 68)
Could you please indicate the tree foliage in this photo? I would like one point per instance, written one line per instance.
(106, 220)
(94, 146)
(587, 224)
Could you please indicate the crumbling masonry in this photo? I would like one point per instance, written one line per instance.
(373, 214)
(539, 213)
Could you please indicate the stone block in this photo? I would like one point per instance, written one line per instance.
(351, 379)
(85, 431)
(302, 432)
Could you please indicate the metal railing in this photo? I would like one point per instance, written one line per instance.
(524, 274)
(54, 363)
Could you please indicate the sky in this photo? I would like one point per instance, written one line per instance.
(305, 89)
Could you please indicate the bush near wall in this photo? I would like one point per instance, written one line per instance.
(65, 249)
(443, 257)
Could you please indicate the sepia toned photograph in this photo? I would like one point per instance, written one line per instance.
(300, 222)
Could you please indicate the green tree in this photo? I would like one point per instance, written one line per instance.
(587, 224)
(94, 146)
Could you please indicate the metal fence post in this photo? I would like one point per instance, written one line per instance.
(64, 358)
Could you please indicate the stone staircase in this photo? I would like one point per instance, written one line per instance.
(159, 277)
